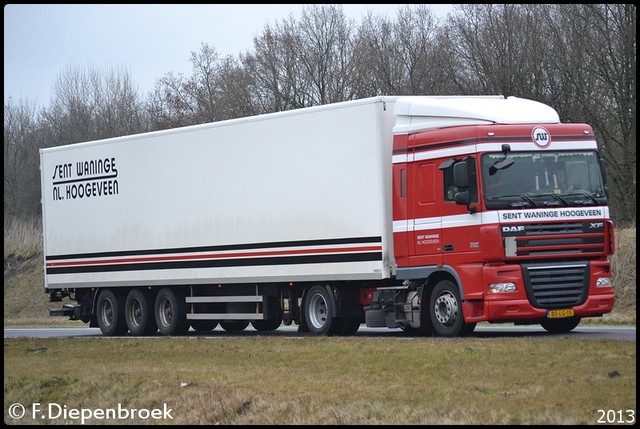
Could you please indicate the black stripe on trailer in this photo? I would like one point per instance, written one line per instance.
(217, 263)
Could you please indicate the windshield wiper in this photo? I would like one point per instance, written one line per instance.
(524, 197)
(527, 201)
(557, 197)
(584, 194)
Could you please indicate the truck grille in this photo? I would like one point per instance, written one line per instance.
(560, 285)
(554, 239)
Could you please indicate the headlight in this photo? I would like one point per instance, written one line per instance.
(603, 282)
(502, 287)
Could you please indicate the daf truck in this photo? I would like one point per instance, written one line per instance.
(425, 213)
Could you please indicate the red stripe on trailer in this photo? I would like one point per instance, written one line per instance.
(219, 256)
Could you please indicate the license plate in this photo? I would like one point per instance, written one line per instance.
(556, 314)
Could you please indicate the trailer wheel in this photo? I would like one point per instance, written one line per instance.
(110, 313)
(446, 309)
(558, 326)
(350, 326)
(171, 312)
(320, 311)
(274, 320)
(266, 325)
(203, 325)
(139, 313)
(234, 325)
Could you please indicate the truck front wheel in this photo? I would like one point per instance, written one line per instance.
(559, 326)
(446, 309)
(320, 311)
(110, 313)
(171, 312)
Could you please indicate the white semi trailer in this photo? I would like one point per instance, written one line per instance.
(302, 217)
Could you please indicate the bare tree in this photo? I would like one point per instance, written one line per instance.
(169, 105)
(401, 56)
(578, 58)
(217, 89)
(497, 49)
(378, 73)
(234, 83)
(118, 105)
(595, 61)
(325, 53)
(304, 63)
(21, 160)
(89, 105)
(277, 82)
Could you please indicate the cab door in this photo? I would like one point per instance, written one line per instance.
(424, 209)
(460, 228)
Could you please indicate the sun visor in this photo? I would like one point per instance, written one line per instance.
(431, 112)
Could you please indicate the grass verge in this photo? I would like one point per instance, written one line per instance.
(268, 380)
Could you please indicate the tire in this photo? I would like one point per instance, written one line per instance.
(559, 326)
(234, 325)
(84, 297)
(203, 325)
(410, 331)
(445, 308)
(139, 313)
(110, 313)
(273, 322)
(320, 312)
(350, 326)
(426, 325)
(467, 329)
(171, 312)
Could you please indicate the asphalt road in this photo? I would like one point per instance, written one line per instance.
(623, 333)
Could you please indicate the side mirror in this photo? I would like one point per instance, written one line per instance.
(461, 175)
(463, 198)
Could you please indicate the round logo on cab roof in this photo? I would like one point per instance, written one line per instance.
(541, 137)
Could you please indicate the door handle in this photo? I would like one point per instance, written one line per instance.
(448, 247)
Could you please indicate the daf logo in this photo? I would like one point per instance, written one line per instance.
(596, 225)
(513, 228)
(541, 137)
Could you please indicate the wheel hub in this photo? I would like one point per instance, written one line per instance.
(446, 309)
(318, 311)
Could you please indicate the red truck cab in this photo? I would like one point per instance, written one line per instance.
(496, 220)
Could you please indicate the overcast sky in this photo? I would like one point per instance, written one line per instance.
(148, 41)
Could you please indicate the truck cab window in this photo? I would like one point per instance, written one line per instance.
(450, 189)
(552, 178)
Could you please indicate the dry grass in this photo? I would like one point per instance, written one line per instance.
(624, 268)
(311, 380)
(22, 236)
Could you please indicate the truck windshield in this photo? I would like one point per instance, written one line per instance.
(546, 179)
